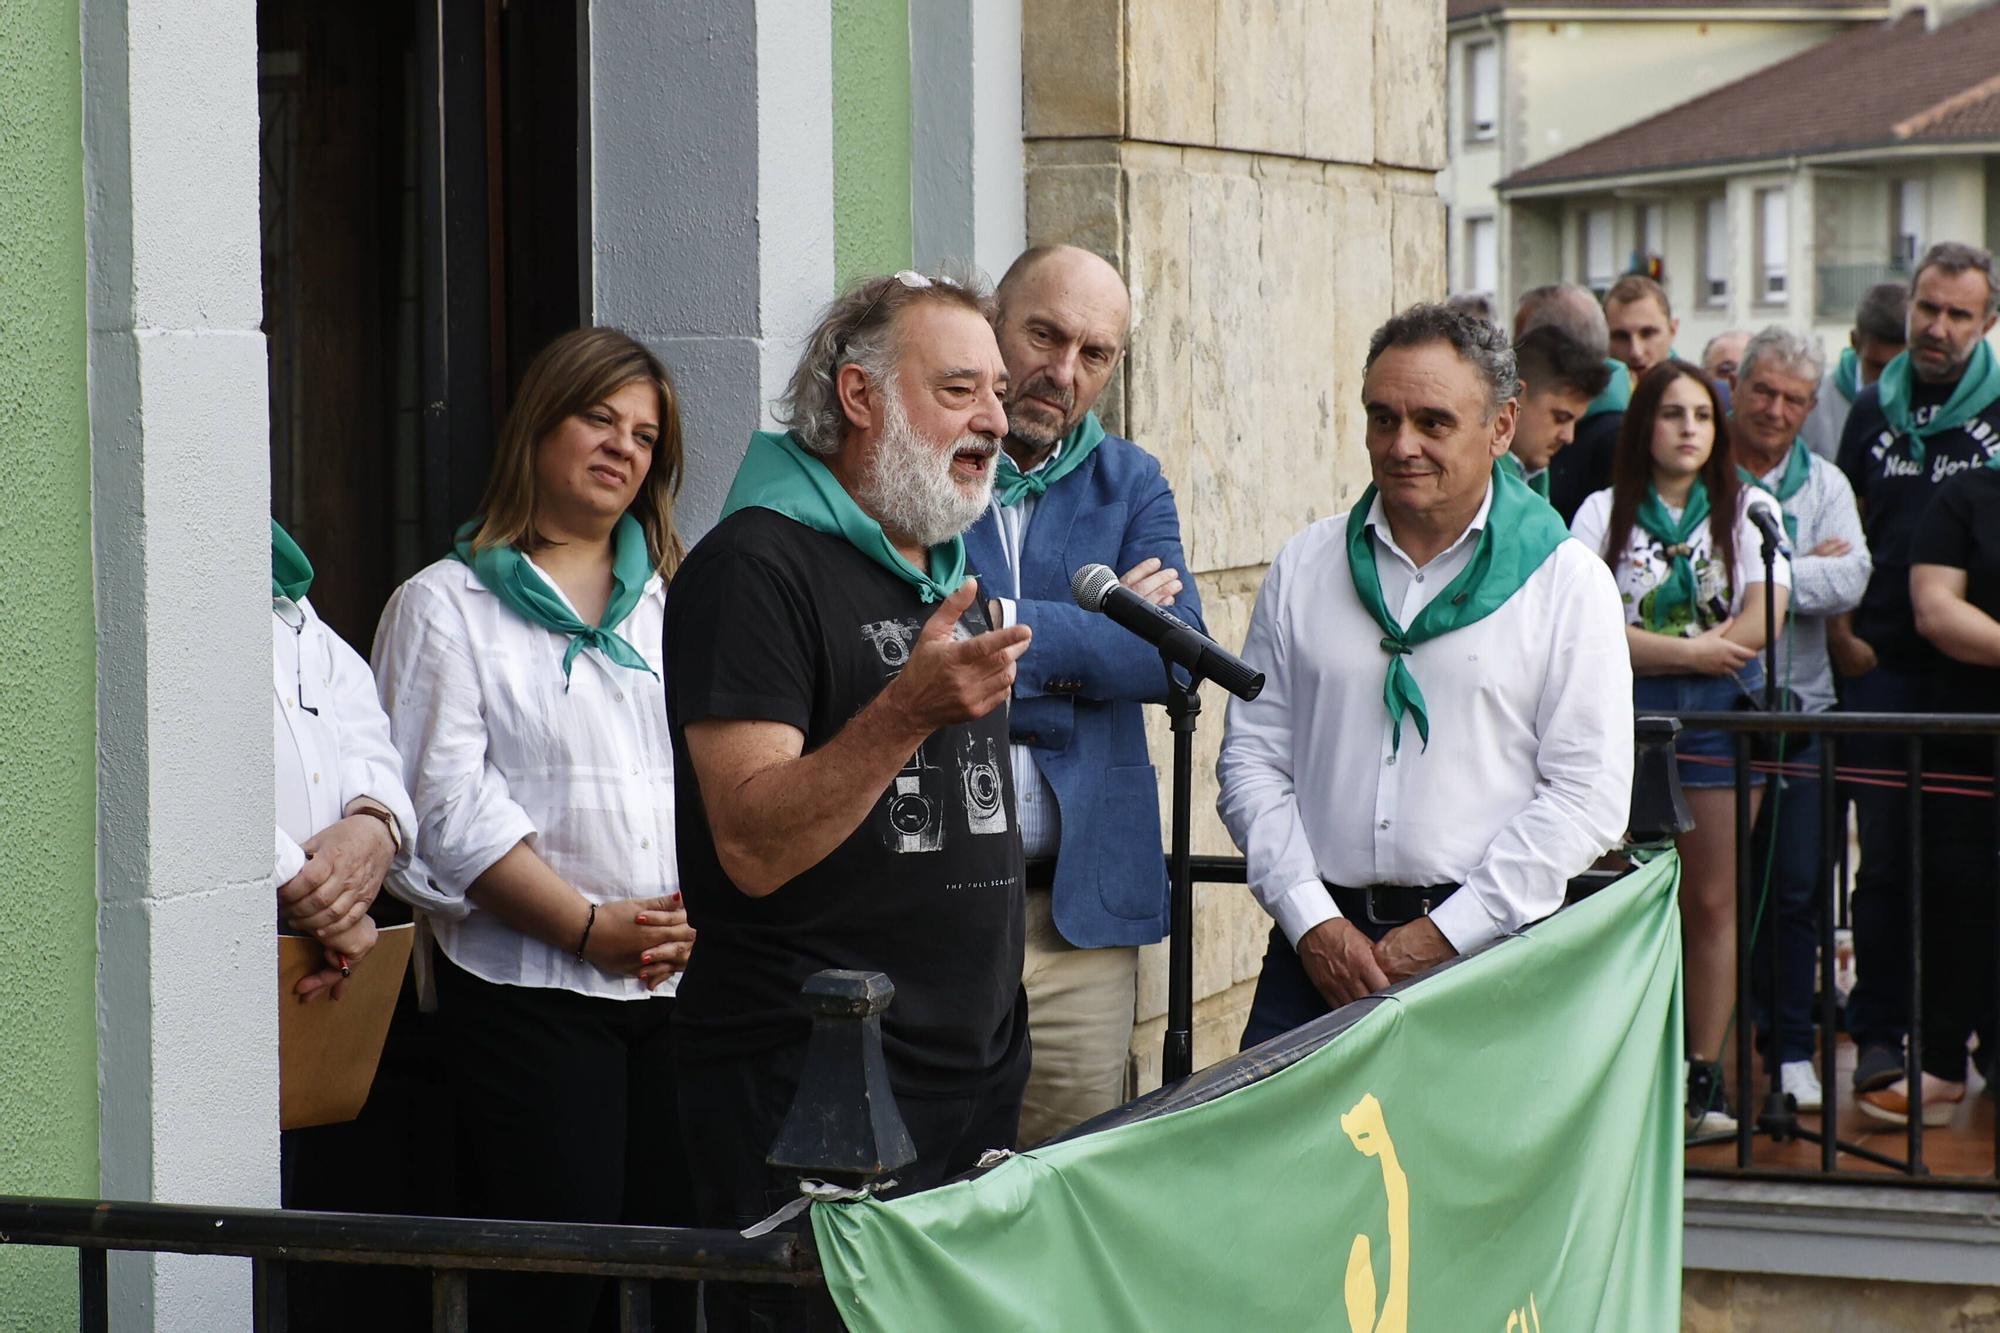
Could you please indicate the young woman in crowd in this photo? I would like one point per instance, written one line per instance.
(521, 676)
(1676, 530)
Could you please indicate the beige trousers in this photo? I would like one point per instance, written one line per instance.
(1080, 1004)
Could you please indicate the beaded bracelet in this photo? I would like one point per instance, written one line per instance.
(584, 943)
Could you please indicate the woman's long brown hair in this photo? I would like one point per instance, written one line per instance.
(1632, 467)
(577, 371)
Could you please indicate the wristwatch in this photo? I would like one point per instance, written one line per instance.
(374, 811)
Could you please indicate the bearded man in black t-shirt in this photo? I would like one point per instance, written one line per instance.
(844, 797)
(1933, 414)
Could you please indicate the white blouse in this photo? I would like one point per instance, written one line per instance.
(1643, 565)
(497, 750)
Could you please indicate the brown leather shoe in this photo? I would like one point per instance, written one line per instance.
(1892, 1107)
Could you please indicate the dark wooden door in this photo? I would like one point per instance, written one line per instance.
(421, 175)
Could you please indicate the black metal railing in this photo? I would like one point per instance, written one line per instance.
(843, 1128)
(1773, 1119)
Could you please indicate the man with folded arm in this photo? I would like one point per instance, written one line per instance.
(1069, 494)
(1445, 732)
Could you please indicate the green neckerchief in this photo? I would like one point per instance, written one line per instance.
(1798, 470)
(1521, 532)
(521, 587)
(1617, 395)
(291, 572)
(1847, 374)
(1681, 588)
(1975, 391)
(779, 474)
(1539, 483)
(1010, 484)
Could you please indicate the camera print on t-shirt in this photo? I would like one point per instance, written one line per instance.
(921, 795)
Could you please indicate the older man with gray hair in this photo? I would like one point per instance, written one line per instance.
(1584, 467)
(1449, 611)
(843, 799)
(1777, 379)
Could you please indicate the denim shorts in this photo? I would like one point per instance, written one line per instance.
(1705, 758)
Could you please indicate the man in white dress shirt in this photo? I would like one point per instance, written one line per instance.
(344, 819)
(1445, 732)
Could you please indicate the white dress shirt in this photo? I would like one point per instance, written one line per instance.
(334, 746)
(497, 750)
(1039, 815)
(1528, 775)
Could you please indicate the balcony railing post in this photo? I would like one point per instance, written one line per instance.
(1746, 1121)
(844, 1126)
(635, 1305)
(1832, 846)
(268, 1312)
(1914, 1049)
(450, 1310)
(93, 1292)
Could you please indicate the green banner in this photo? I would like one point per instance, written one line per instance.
(1498, 1147)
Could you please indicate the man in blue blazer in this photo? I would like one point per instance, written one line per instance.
(1066, 495)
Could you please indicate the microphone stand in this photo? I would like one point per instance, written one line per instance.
(1779, 1115)
(1177, 1048)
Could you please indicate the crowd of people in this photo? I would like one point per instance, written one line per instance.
(638, 793)
(1877, 468)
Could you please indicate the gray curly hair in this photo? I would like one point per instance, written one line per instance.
(1779, 348)
(1482, 345)
(859, 329)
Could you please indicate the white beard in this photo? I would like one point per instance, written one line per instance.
(908, 486)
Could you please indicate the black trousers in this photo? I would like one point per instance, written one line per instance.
(1958, 902)
(732, 1111)
(565, 1109)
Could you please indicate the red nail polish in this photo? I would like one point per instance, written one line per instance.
(641, 918)
(645, 958)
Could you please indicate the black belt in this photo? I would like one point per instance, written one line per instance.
(1041, 874)
(1389, 904)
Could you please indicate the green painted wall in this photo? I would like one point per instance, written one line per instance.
(48, 672)
(871, 137)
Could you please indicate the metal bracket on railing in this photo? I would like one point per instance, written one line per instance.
(844, 1127)
(1659, 810)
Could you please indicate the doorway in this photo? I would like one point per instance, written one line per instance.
(421, 171)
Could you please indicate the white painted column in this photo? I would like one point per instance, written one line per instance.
(187, 977)
(709, 208)
(1801, 253)
(968, 173)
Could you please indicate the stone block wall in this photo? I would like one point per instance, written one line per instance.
(1263, 172)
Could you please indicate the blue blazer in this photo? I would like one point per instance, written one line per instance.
(1079, 687)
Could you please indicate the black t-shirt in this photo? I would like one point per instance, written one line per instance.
(1582, 467)
(768, 619)
(1895, 490)
(1962, 529)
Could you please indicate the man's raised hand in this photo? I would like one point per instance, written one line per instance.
(949, 679)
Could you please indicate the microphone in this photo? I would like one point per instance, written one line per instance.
(1773, 530)
(1096, 588)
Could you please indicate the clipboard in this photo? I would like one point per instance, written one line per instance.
(328, 1050)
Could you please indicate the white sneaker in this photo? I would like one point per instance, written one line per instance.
(1800, 1081)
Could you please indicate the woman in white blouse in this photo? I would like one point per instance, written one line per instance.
(522, 680)
(1676, 530)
